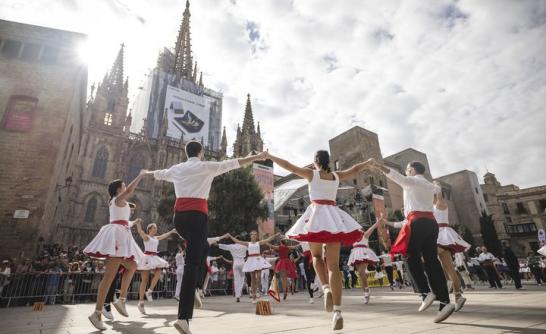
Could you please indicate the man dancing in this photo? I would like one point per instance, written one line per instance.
(192, 181)
(418, 237)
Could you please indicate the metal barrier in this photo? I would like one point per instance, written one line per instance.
(80, 287)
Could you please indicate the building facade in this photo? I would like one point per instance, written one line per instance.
(43, 85)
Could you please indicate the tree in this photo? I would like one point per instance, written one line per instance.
(235, 203)
(489, 234)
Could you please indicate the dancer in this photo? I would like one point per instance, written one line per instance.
(449, 243)
(238, 253)
(255, 262)
(487, 261)
(323, 223)
(180, 262)
(284, 266)
(419, 236)
(388, 265)
(271, 259)
(462, 269)
(362, 255)
(150, 262)
(115, 243)
(309, 270)
(192, 181)
(205, 271)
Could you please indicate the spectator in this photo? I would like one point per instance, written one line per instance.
(52, 284)
(533, 261)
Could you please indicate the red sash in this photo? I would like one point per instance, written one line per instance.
(120, 222)
(323, 202)
(360, 246)
(401, 244)
(443, 225)
(251, 255)
(150, 253)
(191, 204)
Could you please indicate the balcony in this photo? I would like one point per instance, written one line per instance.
(527, 229)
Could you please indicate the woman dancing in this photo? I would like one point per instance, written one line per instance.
(362, 255)
(284, 266)
(255, 262)
(115, 243)
(150, 262)
(323, 223)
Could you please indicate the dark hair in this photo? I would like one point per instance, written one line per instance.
(322, 158)
(113, 188)
(132, 205)
(419, 167)
(193, 148)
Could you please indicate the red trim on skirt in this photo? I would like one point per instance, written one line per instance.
(324, 237)
(288, 266)
(120, 222)
(98, 255)
(443, 225)
(453, 248)
(401, 244)
(251, 255)
(365, 261)
(191, 204)
(323, 202)
(360, 246)
(150, 253)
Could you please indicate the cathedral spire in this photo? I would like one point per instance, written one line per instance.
(248, 122)
(115, 82)
(183, 61)
(223, 145)
(201, 79)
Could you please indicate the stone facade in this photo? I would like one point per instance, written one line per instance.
(518, 213)
(408, 155)
(43, 86)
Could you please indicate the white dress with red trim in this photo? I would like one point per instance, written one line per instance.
(115, 239)
(151, 260)
(447, 237)
(255, 261)
(323, 221)
(361, 253)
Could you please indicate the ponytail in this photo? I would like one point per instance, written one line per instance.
(322, 158)
(113, 188)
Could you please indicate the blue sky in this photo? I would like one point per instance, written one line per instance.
(463, 81)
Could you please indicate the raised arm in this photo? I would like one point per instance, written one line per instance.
(166, 235)
(372, 228)
(252, 158)
(143, 235)
(305, 173)
(130, 189)
(440, 202)
(351, 172)
(265, 241)
(271, 246)
(237, 241)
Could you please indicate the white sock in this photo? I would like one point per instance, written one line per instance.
(150, 290)
(140, 302)
(337, 308)
(122, 299)
(325, 286)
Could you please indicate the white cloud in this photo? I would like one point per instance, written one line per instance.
(463, 81)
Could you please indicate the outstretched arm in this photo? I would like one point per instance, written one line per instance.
(271, 246)
(166, 235)
(349, 173)
(237, 241)
(143, 235)
(305, 173)
(130, 188)
(372, 228)
(265, 241)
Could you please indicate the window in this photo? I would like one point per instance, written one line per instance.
(50, 55)
(527, 229)
(101, 161)
(381, 183)
(521, 208)
(19, 113)
(11, 48)
(108, 119)
(371, 180)
(336, 165)
(508, 219)
(30, 52)
(136, 164)
(542, 205)
(505, 209)
(90, 210)
(485, 197)
(354, 182)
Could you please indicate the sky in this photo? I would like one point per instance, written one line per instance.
(463, 81)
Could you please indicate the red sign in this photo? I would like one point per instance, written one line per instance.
(19, 113)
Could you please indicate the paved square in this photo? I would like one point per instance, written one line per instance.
(486, 311)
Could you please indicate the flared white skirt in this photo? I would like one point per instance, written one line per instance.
(151, 262)
(114, 240)
(451, 240)
(362, 255)
(324, 224)
(254, 263)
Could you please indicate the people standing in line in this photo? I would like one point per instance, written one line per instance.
(192, 180)
(487, 262)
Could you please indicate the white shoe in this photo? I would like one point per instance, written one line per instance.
(177, 299)
(311, 301)
(367, 295)
(120, 307)
(182, 326)
(95, 320)
(201, 293)
(140, 307)
(197, 303)
(328, 301)
(459, 303)
(444, 313)
(107, 314)
(429, 299)
(148, 295)
(337, 321)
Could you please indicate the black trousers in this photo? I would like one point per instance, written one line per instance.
(537, 272)
(492, 276)
(192, 226)
(423, 243)
(309, 273)
(514, 273)
(388, 269)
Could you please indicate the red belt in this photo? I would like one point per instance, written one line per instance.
(191, 204)
(360, 246)
(120, 222)
(401, 244)
(150, 253)
(443, 225)
(251, 255)
(323, 202)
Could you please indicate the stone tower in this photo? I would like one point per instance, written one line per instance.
(248, 138)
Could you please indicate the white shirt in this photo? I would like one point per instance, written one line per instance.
(237, 251)
(386, 259)
(486, 256)
(418, 191)
(213, 240)
(459, 259)
(399, 266)
(193, 178)
(180, 262)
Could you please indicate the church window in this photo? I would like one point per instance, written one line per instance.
(108, 119)
(90, 210)
(136, 164)
(101, 161)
